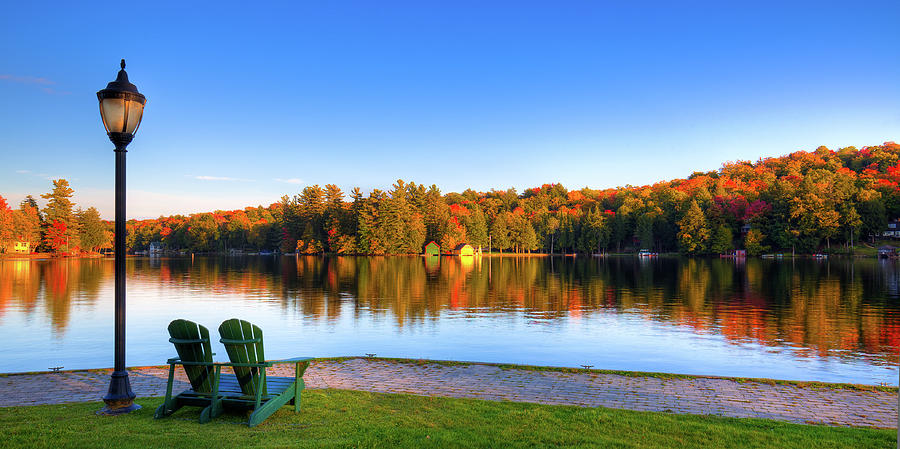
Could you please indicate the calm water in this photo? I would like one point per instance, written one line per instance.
(832, 320)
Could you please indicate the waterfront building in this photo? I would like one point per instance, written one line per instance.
(432, 249)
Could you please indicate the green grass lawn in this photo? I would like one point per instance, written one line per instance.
(339, 418)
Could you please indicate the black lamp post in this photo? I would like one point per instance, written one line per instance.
(121, 107)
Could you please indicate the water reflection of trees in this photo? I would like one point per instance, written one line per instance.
(51, 287)
(816, 308)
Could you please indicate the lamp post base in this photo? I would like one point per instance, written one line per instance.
(119, 398)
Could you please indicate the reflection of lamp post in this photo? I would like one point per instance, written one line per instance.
(121, 108)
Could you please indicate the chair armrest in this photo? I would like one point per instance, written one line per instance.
(248, 365)
(293, 360)
(176, 361)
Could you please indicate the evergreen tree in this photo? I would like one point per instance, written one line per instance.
(643, 231)
(721, 241)
(435, 213)
(92, 232)
(59, 209)
(476, 228)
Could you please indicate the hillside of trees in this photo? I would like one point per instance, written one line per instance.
(823, 200)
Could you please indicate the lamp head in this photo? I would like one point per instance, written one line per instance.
(121, 108)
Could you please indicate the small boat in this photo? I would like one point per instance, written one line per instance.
(647, 253)
(820, 256)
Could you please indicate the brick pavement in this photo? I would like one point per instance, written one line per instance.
(712, 396)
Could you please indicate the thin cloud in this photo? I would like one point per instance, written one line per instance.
(35, 81)
(26, 79)
(218, 178)
(290, 180)
(50, 91)
(46, 176)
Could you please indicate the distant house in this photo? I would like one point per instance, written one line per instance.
(464, 249)
(893, 229)
(432, 249)
(22, 248)
(155, 247)
(745, 228)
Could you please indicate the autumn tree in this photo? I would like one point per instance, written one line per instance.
(7, 230)
(753, 243)
(27, 223)
(693, 234)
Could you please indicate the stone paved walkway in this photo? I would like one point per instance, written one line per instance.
(713, 396)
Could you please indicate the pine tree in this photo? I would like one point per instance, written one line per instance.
(476, 227)
(643, 230)
(721, 241)
(59, 209)
(92, 232)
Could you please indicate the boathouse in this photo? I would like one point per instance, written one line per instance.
(432, 249)
(464, 249)
(22, 248)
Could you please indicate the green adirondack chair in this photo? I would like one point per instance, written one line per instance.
(191, 342)
(250, 388)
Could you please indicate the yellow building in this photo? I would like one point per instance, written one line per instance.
(464, 249)
(22, 248)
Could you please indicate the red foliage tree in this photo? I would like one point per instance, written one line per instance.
(56, 237)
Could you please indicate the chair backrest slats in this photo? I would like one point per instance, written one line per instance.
(243, 342)
(191, 342)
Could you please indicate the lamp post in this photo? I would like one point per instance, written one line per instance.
(121, 108)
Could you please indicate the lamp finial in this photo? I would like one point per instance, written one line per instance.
(122, 64)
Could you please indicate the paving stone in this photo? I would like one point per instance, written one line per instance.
(722, 397)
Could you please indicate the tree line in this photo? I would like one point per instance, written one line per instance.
(59, 228)
(823, 200)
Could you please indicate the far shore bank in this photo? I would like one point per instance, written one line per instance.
(41, 256)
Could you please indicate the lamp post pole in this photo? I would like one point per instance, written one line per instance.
(121, 107)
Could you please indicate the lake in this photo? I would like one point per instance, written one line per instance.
(833, 320)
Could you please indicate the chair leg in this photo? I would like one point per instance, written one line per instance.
(214, 408)
(271, 406)
(299, 385)
(170, 404)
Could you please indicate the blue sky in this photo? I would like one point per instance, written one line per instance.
(251, 101)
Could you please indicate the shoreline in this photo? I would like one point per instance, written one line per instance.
(44, 256)
(536, 368)
(685, 395)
